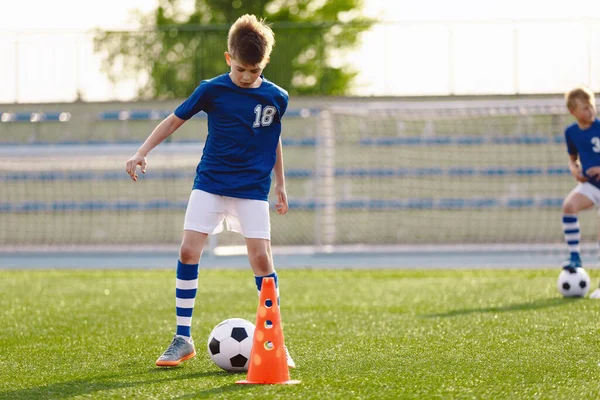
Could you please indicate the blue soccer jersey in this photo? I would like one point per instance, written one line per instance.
(586, 143)
(244, 125)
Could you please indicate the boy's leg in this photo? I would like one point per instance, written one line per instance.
(251, 218)
(182, 346)
(574, 203)
(261, 261)
(572, 236)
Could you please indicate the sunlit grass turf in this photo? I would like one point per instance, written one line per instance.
(387, 334)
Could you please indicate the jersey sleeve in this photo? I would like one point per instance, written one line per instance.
(283, 103)
(571, 149)
(198, 101)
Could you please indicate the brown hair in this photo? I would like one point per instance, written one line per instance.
(582, 93)
(250, 40)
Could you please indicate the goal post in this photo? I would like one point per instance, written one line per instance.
(443, 173)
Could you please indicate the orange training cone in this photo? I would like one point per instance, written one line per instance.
(268, 363)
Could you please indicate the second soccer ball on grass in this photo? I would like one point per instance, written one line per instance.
(574, 283)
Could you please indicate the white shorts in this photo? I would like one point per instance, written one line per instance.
(590, 191)
(206, 213)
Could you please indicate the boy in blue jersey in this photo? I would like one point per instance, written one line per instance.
(233, 177)
(583, 145)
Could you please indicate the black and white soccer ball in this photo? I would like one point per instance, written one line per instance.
(229, 344)
(573, 283)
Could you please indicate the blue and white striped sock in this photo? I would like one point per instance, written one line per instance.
(572, 234)
(259, 279)
(185, 292)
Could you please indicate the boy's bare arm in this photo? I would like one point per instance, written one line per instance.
(575, 168)
(278, 169)
(158, 135)
(282, 203)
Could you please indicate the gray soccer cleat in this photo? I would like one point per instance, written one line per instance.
(290, 362)
(179, 350)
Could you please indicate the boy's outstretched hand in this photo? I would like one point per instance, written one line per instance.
(282, 204)
(133, 162)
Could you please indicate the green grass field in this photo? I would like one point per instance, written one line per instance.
(385, 334)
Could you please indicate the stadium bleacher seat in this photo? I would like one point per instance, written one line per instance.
(55, 116)
(142, 115)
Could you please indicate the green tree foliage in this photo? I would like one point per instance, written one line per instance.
(171, 54)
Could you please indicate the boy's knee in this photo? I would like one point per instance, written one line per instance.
(189, 254)
(569, 208)
(260, 260)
